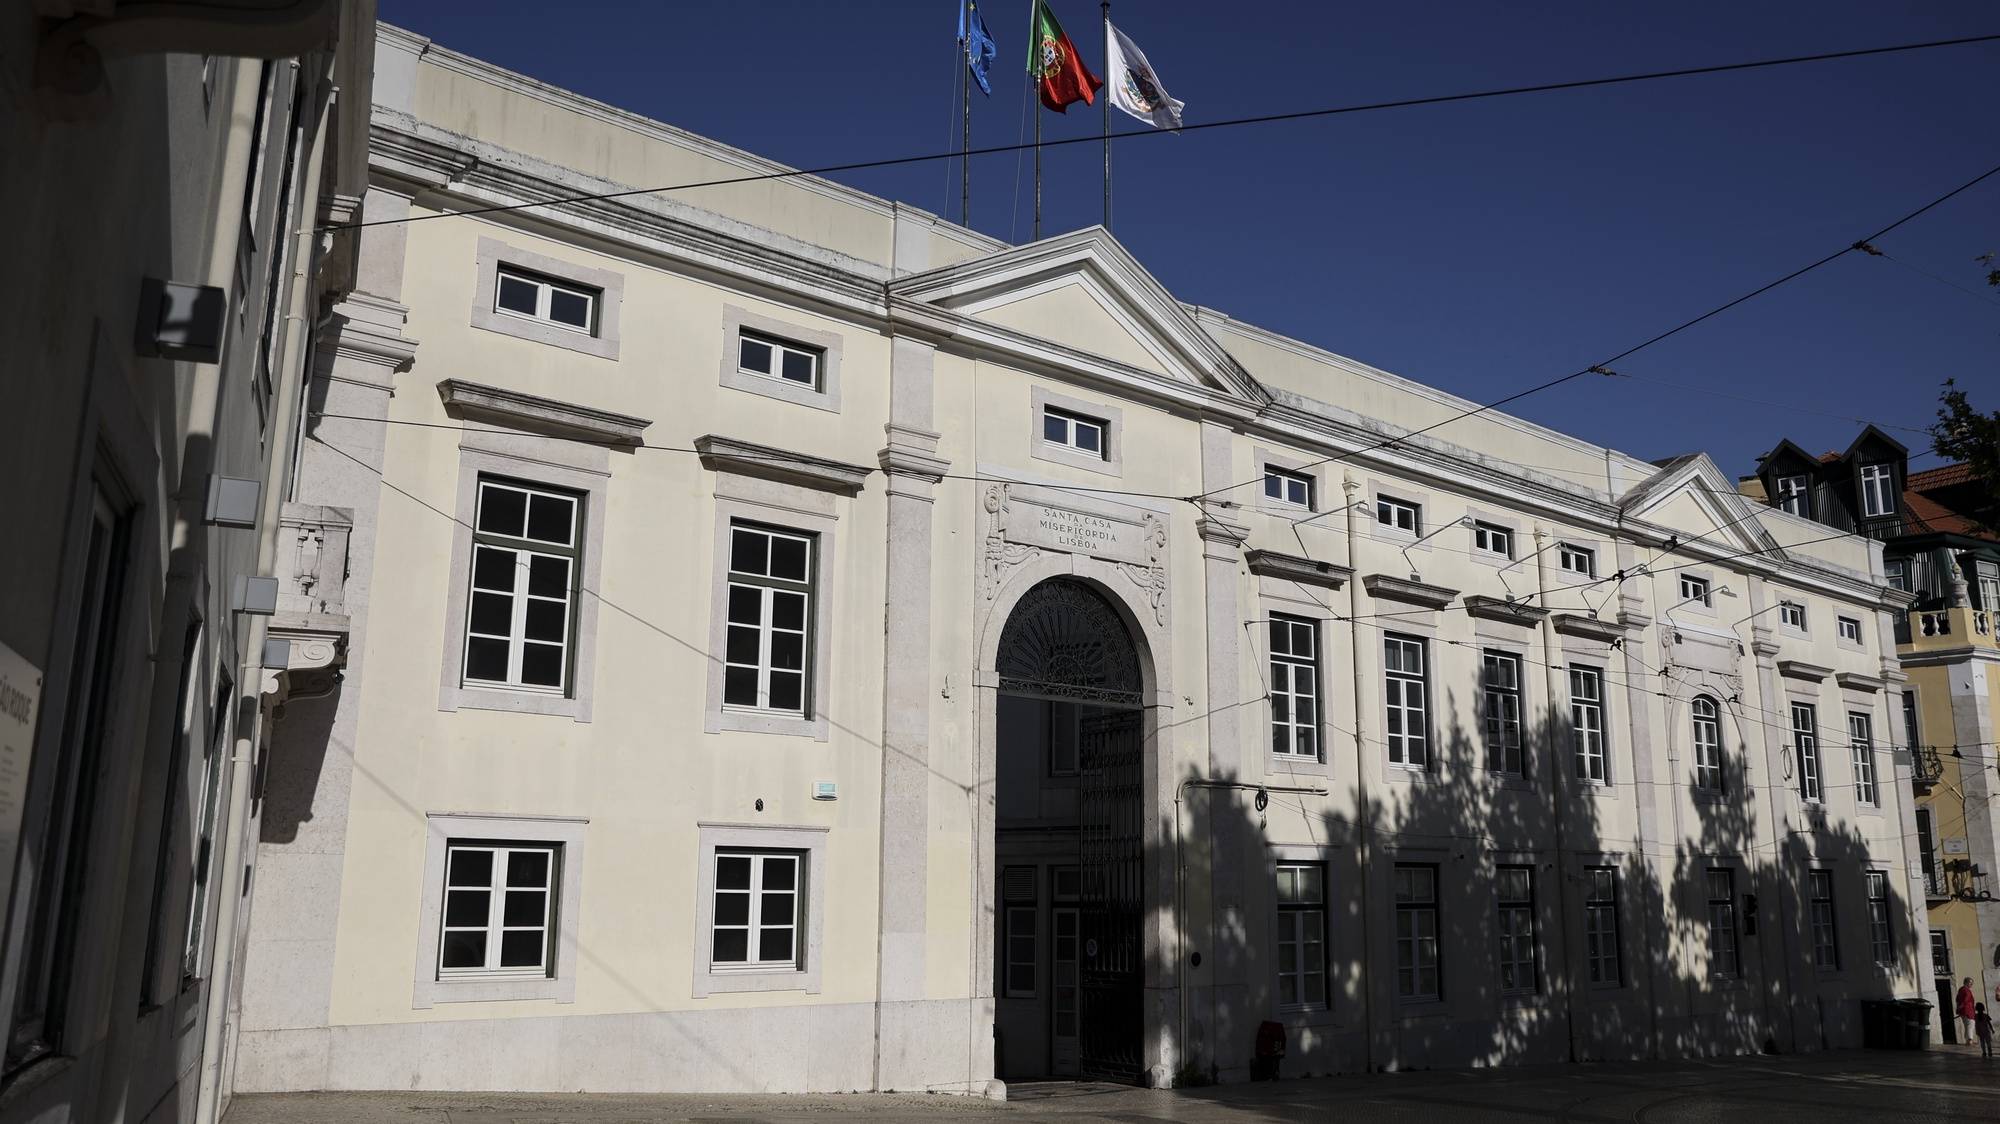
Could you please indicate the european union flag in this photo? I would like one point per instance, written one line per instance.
(979, 47)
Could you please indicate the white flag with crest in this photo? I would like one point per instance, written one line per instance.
(1134, 87)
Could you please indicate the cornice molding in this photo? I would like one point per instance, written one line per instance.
(746, 458)
(536, 414)
(1214, 528)
(1385, 587)
(1504, 611)
(1587, 628)
(1800, 669)
(1857, 681)
(1291, 567)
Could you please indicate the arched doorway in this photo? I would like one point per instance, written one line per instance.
(1069, 842)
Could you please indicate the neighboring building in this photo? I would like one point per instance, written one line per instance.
(1948, 569)
(162, 283)
(789, 654)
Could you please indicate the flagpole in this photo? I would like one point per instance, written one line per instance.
(965, 125)
(1106, 130)
(1035, 54)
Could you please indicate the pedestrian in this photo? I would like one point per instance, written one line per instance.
(1984, 1024)
(1967, 1006)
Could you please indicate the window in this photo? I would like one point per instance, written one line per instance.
(1515, 898)
(531, 296)
(1927, 853)
(1793, 495)
(1020, 891)
(1805, 740)
(1294, 687)
(1707, 744)
(1065, 738)
(1577, 559)
(1791, 614)
(1399, 514)
(1065, 980)
(1825, 940)
(773, 358)
(1861, 738)
(192, 960)
(1881, 937)
(1408, 723)
(1695, 590)
(1600, 926)
(1586, 715)
(519, 628)
(1500, 708)
(1910, 738)
(1417, 932)
(499, 910)
(1493, 539)
(1941, 954)
(1722, 957)
(757, 916)
(1986, 583)
(1897, 572)
(1848, 629)
(1060, 427)
(1294, 488)
(1878, 489)
(1301, 935)
(770, 614)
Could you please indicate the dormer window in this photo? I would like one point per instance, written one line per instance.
(1794, 495)
(1878, 490)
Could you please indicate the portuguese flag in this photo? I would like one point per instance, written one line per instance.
(1054, 65)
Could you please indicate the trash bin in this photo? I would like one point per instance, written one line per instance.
(1916, 1020)
(1875, 1023)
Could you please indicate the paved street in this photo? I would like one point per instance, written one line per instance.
(1947, 1083)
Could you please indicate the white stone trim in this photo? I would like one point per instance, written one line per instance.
(1112, 463)
(811, 841)
(442, 827)
(826, 396)
(601, 341)
(1294, 600)
(779, 505)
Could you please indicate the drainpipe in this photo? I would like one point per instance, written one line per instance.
(1363, 820)
(1551, 662)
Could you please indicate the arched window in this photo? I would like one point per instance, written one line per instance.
(1707, 745)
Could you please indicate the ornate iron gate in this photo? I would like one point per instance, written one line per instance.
(1112, 843)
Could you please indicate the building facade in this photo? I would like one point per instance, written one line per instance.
(1948, 568)
(166, 168)
(800, 644)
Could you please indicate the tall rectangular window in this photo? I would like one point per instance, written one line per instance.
(1060, 427)
(1927, 853)
(499, 909)
(193, 960)
(1401, 515)
(771, 586)
(1301, 935)
(1793, 495)
(1878, 489)
(519, 628)
(1911, 737)
(1021, 893)
(1515, 921)
(1941, 954)
(1986, 585)
(1805, 743)
(1707, 744)
(1294, 488)
(1722, 955)
(1500, 709)
(757, 909)
(1586, 716)
(1881, 934)
(1294, 687)
(517, 292)
(1861, 738)
(1825, 937)
(1600, 926)
(1408, 725)
(1417, 969)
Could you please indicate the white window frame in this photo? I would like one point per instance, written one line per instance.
(757, 895)
(810, 843)
(1878, 490)
(1848, 629)
(499, 887)
(1881, 922)
(1295, 677)
(1419, 951)
(781, 348)
(1823, 919)
(1941, 955)
(1407, 694)
(1392, 512)
(1603, 950)
(1589, 725)
(1805, 748)
(1492, 538)
(826, 346)
(1697, 591)
(1301, 925)
(1795, 495)
(527, 552)
(1501, 707)
(1074, 426)
(1575, 559)
(1792, 615)
(1986, 585)
(557, 982)
(1292, 489)
(1110, 457)
(545, 289)
(767, 589)
(1896, 573)
(607, 289)
(795, 509)
(1861, 741)
(1514, 925)
(1705, 718)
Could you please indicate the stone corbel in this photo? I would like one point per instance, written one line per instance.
(317, 655)
(1293, 568)
(1385, 587)
(1506, 612)
(910, 460)
(1588, 628)
(1800, 669)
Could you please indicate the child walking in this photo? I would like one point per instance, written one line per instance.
(1983, 1026)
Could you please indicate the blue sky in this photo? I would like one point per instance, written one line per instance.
(1480, 247)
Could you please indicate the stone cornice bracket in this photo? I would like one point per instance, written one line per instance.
(1800, 669)
(911, 456)
(1504, 611)
(727, 454)
(535, 414)
(369, 329)
(1220, 531)
(1587, 628)
(1763, 648)
(1291, 567)
(1386, 587)
(1856, 681)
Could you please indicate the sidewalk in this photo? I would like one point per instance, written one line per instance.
(1943, 1083)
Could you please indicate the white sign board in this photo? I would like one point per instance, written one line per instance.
(1076, 532)
(20, 693)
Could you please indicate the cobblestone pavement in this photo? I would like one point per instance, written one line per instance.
(1940, 1084)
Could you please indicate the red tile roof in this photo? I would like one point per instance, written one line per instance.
(1943, 476)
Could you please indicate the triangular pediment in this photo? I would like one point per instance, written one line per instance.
(1690, 497)
(1084, 292)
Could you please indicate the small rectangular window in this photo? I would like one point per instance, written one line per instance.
(1301, 935)
(1408, 711)
(758, 910)
(1825, 936)
(526, 554)
(1294, 687)
(1878, 489)
(1292, 488)
(773, 358)
(1417, 969)
(1400, 515)
(1849, 629)
(1791, 614)
(1722, 954)
(1515, 922)
(1577, 559)
(1695, 590)
(1586, 712)
(499, 909)
(1793, 495)
(1600, 926)
(1805, 744)
(1500, 710)
(531, 296)
(1493, 539)
(770, 613)
(1861, 738)
(1881, 933)
(1060, 427)
(1897, 572)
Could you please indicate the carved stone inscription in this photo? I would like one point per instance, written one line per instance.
(1078, 532)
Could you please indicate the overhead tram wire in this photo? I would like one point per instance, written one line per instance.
(1226, 123)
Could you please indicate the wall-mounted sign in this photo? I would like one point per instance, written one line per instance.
(20, 694)
(1054, 527)
(1954, 846)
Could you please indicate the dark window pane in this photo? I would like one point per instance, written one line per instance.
(732, 946)
(492, 613)
(799, 368)
(774, 944)
(739, 686)
(521, 948)
(1274, 487)
(547, 620)
(464, 949)
(517, 295)
(746, 605)
(466, 907)
(502, 511)
(549, 519)
(528, 868)
(486, 659)
(569, 308)
(1281, 639)
(787, 690)
(788, 559)
(541, 664)
(492, 569)
(779, 875)
(471, 868)
(742, 645)
(788, 610)
(547, 576)
(732, 872)
(777, 907)
(1088, 437)
(526, 907)
(788, 651)
(748, 552)
(1055, 428)
(755, 355)
(732, 908)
